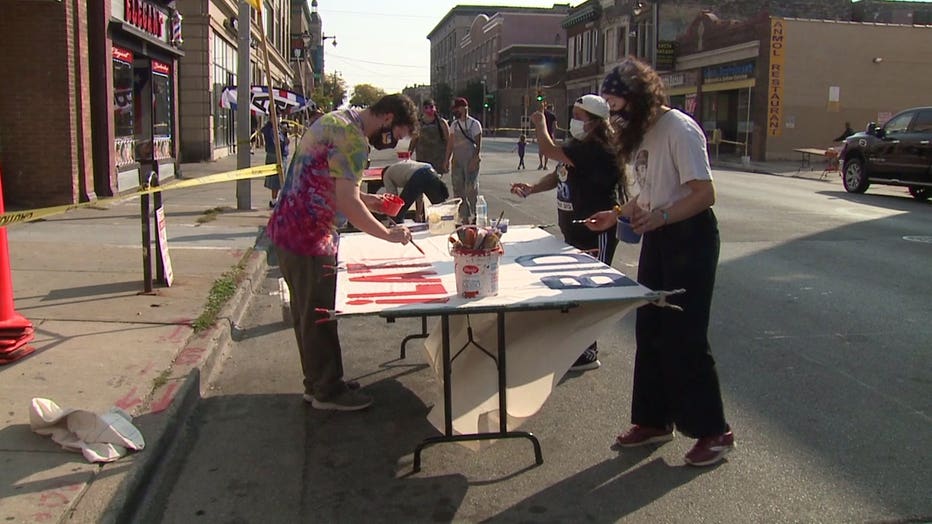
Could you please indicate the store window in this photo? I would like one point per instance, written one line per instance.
(162, 110)
(123, 143)
(223, 74)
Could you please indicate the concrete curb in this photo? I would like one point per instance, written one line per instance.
(183, 391)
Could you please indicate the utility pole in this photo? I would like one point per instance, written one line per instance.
(243, 109)
(655, 34)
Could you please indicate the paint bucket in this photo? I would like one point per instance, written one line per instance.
(441, 218)
(476, 271)
(391, 204)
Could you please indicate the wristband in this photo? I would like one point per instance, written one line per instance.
(665, 216)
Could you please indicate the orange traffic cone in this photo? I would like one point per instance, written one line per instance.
(15, 330)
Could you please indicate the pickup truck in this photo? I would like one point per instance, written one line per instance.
(899, 153)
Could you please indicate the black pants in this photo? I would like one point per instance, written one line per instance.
(421, 182)
(675, 382)
(580, 237)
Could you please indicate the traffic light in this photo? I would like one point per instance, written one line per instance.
(540, 95)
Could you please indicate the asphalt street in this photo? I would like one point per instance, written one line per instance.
(820, 327)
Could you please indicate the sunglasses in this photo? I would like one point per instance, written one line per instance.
(428, 105)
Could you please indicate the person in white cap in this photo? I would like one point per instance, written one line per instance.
(587, 179)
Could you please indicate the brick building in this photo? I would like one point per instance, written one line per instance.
(499, 55)
(111, 95)
(74, 126)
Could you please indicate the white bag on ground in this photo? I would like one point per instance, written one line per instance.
(100, 438)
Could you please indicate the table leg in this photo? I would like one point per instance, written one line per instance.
(422, 334)
(503, 432)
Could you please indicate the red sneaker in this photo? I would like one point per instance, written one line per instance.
(643, 435)
(710, 450)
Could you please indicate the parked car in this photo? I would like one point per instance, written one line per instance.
(899, 153)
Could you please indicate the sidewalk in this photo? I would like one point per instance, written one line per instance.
(99, 342)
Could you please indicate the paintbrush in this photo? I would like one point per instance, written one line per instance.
(393, 223)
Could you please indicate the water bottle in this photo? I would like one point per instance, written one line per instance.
(482, 211)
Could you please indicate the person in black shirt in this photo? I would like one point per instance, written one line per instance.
(844, 134)
(587, 178)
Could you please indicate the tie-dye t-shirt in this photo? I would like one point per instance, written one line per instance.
(305, 220)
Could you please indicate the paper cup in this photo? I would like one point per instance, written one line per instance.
(625, 233)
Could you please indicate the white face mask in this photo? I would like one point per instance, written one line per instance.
(578, 129)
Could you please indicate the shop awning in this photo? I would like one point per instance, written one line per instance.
(728, 86)
(683, 90)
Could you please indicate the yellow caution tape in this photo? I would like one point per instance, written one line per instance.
(29, 215)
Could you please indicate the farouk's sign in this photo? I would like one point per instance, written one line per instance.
(775, 87)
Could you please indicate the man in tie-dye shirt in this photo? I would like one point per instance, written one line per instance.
(321, 193)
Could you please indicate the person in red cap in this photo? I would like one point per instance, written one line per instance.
(464, 145)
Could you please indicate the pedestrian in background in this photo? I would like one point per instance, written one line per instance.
(520, 147)
(321, 193)
(844, 134)
(586, 179)
(551, 127)
(273, 182)
(463, 149)
(675, 381)
(430, 143)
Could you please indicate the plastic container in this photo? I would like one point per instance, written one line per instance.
(441, 218)
(625, 232)
(392, 204)
(476, 272)
(482, 211)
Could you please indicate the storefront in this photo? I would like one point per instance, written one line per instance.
(682, 88)
(726, 93)
(143, 38)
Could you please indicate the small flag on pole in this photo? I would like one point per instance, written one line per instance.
(256, 4)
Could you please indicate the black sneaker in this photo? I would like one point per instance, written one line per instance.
(588, 360)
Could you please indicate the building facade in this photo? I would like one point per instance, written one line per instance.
(770, 84)
(93, 111)
(208, 130)
(495, 56)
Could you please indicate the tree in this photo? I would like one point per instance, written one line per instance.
(330, 92)
(443, 96)
(364, 95)
(473, 93)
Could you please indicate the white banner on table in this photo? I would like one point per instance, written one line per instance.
(574, 299)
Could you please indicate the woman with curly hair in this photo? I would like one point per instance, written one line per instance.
(586, 178)
(675, 381)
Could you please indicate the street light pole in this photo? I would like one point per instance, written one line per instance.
(484, 120)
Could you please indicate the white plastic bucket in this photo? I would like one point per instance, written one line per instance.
(441, 218)
(476, 272)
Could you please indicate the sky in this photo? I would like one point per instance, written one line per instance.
(384, 42)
